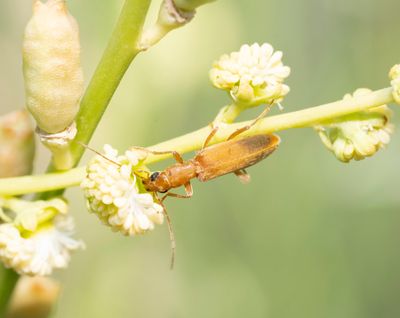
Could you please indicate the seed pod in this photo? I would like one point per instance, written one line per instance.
(51, 63)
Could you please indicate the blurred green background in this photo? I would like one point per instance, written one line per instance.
(308, 237)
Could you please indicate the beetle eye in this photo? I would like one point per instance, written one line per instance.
(154, 176)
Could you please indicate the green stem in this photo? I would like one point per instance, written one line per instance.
(40, 183)
(62, 159)
(9, 279)
(120, 52)
(303, 118)
(228, 114)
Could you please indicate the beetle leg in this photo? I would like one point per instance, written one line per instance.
(255, 121)
(211, 135)
(243, 176)
(188, 190)
(175, 195)
(175, 154)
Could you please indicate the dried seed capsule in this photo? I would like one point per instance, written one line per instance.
(52, 70)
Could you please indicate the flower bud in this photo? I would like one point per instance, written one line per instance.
(52, 70)
(252, 76)
(17, 144)
(116, 195)
(190, 5)
(358, 135)
(34, 297)
(394, 75)
(170, 17)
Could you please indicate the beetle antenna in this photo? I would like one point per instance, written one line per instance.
(98, 153)
(171, 233)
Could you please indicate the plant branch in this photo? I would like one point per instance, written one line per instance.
(40, 183)
(308, 117)
(120, 52)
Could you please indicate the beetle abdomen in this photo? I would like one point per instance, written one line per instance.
(233, 155)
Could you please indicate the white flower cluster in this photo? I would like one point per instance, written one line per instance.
(116, 196)
(39, 252)
(253, 76)
(359, 135)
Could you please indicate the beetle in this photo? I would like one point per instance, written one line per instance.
(231, 156)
